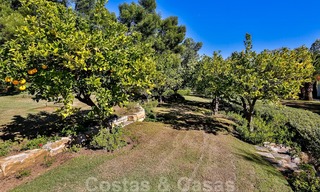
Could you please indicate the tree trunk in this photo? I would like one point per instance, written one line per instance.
(160, 99)
(249, 118)
(86, 100)
(302, 92)
(215, 105)
(309, 90)
(160, 95)
(175, 90)
(315, 91)
(248, 111)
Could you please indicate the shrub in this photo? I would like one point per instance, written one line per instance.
(283, 125)
(184, 92)
(75, 148)
(148, 107)
(23, 173)
(109, 139)
(48, 161)
(36, 143)
(306, 180)
(168, 93)
(75, 124)
(263, 131)
(5, 147)
(305, 123)
(70, 129)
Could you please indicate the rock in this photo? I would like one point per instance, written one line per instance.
(266, 144)
(272, 144)
(121, 121)
(274, 149)
(127, 123)
(292, 166)
(58, 146)
(63, 141)
(12, 164)
(304, 157)
(141, 115)
(278, 156)
(132, 118)
(262, 149)
(281, 163)
(296, 160)
(57, 150)
(267, 155)
(284, 150)
(1, 173)
(297, 171)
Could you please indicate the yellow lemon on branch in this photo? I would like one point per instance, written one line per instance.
(22, 81)
(22, 88)
(8, 79)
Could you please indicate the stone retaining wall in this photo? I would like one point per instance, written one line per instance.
(12, 164)
(125, 120)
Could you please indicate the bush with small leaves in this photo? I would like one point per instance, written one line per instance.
(5, 147)
(109, 139)
(23, 173)
(36, 143)
(306, 180)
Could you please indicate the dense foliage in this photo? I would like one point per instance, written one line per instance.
(286, 125)
(246, 77)
(62, 55)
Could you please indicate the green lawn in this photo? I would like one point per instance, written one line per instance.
(197, 99)
(22, 104)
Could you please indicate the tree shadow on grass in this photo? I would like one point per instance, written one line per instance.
(183, 116)
(42, 123)
(268, 165)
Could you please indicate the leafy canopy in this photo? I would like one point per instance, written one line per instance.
(63, 56)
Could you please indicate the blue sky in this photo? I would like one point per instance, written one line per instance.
(221, 25)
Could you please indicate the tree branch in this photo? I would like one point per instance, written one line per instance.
(233, 101)
(85, 98)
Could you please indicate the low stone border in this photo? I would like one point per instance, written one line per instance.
(280, 157)
(13, 164)
(126, 120)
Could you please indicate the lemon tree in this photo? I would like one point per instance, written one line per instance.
(60, 55)
(269, 75)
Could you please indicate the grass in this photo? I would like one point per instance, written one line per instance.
(171, 158)
(22, 118)
(252, 169)
(313, 106)
(22, 104)
(74, 172)
(197, 99)
(168, 155)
